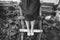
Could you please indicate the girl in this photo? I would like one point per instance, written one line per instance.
(30, 9)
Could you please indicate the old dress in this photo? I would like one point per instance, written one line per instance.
(30, 9)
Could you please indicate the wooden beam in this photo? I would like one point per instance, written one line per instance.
(35, 30)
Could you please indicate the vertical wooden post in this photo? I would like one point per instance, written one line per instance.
(22, 23)
(40, 24)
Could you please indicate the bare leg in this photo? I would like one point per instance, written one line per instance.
(27, 24)
(32, 27)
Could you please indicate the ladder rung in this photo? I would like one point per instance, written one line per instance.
(21, 17)
(35, 30)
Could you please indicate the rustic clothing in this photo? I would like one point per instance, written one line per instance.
(30, 9)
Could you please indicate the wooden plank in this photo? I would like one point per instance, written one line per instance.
(35, 30)
(50, 1)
